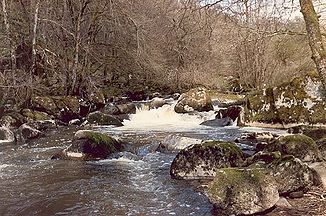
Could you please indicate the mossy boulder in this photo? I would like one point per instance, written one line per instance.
(197, 99)
(295, 102)
(292, 175)
(90, 145)
(32, 115)
(62, 108)
(300, 146)
(262, 158)
(99, 118)
(201, 161)
(237, 191)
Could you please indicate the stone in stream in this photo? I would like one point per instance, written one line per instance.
(90, 145)
(233, 112)
(197, 99)
(100, 118)
(6, 135)
(227, 121)
(201, 161)
(173, 143)
(26, 132)
(236, 191)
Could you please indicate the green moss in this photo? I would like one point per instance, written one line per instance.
(228, 148)
(97, 138)
(234, 177)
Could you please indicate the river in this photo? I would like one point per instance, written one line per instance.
(136, 182)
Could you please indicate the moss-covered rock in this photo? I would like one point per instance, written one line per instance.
(63, 108)
(90, 145)
(263, 157)
(201, 161)
(242, 191)
(292, 175)
(297, 101)
(197, 99)
(32, 115)
(99, 118)
(300, 146)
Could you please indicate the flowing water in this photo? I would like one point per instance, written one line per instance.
(136, 182)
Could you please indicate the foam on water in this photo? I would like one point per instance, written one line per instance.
(164, 118)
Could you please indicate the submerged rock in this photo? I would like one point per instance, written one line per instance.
(197, 99)
(90, 145)
(299, 146)
(201, 161)
(100, 118)
(237, 191)
(173, 143)
(6, 135)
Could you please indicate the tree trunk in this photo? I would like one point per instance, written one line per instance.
(35, 37)
(7, 25)
(315, 38)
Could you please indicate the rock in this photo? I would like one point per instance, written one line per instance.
(26, 132)
(316, 133)
(232, 112)
(242, 191)
(197, 99)
(299, 101)
(322, 147)
(8, 121)
(97, 99)
(201, 161)
(63, 108)
(254, 138)
(89, 145)
(111, 109)
(218, 122)
(128, 108)
(292, 175)
(156, 103)
(99, 118)
(31, 115)
(75, 122)
(264, 157)
(43, 125)
(283, 203)
(173, 143)
(6, 135)
(320, 170)
(300, 146)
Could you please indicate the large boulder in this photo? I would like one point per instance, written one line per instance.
(298, 101)
(300, 146)
(237, 191)
(201, 161)
(63, 108)
(6, 135)
(292, 175)
(197, 99)
(99, 118)
(90, 145)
